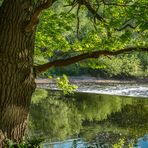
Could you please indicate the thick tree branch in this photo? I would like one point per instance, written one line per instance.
(96, 54)
(87, 4)
(92, 10)
(73, 4)
(127, 24)
(35, 16)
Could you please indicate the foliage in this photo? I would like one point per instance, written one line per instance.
(59, 37)
(128, 65)
(120, 144)
(34, 142)
(58, 32)
(63, 83)
(51, 32)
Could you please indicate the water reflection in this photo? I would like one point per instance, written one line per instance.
(88, 120)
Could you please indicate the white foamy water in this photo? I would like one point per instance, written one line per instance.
(126, 90)
(135, 90)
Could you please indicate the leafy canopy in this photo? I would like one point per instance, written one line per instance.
(71, 27)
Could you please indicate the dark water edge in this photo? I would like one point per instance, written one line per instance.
(89, 120)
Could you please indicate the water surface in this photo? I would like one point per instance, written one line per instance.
(85, 120)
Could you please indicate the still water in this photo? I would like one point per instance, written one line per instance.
(89, 120)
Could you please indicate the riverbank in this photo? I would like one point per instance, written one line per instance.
(94, 80)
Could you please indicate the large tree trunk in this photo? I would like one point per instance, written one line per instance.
(16, 68)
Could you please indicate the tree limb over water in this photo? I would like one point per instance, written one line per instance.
(96, 54)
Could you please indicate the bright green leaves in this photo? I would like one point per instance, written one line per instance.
(121, 143)
(126, 65)
(58, 31)
(63, 83)
(51, 33)
(95, 64)
(91, 41)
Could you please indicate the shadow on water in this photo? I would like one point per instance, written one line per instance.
(84, 120)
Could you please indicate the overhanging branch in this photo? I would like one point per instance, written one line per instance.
(36, 12)
(126, 24)
(87, 4)
(92, 10)
(96, 54)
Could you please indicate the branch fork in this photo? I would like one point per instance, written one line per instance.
(36, 13)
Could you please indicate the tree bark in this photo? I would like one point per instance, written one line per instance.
(16, 68)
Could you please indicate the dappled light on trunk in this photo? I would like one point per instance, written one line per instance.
(16, 74)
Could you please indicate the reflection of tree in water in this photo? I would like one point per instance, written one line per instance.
(55, 118)
(130, 123)
(98, 119)
(98, 107)
(132, 115)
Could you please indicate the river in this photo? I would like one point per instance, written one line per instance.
(95, 116)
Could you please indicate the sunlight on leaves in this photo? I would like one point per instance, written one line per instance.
(63, 83)
(121, 144)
